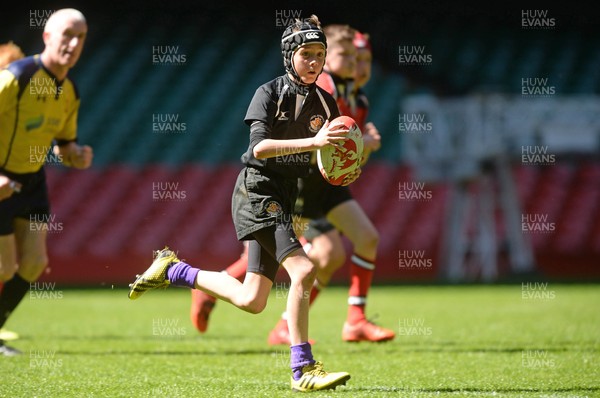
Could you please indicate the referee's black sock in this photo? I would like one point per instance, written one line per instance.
(12, 293)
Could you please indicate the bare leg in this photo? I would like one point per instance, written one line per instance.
(31, 248)
(29, 244)
(8, 257)
(350, 219)
(328, 254)
(302, 275)
(250, 296)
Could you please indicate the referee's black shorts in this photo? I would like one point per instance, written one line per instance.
(31, 203)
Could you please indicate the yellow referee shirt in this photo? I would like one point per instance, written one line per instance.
(36, 111)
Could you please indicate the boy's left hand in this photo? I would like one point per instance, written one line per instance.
(371, 138)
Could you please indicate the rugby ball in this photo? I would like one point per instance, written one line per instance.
(336, 163)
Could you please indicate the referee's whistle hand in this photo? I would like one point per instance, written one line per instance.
(8, 187)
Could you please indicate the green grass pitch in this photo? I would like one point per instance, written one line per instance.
(530, 340)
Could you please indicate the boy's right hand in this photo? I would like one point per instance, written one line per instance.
(330, 135)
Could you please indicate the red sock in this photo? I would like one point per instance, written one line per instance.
(238, 269)
(361, 274)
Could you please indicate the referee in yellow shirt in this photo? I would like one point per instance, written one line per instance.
(38, 113)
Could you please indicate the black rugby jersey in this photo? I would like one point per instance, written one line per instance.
(290, 111)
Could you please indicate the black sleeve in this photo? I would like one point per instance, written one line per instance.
(261, 108)
(258, 132)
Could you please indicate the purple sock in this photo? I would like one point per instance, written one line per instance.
(182, 274)
(300, 357)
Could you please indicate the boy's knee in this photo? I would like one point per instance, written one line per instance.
(254, 306)
(252, 302)
(369, 242)
(336, 259)
(307, 272)
(372, 239)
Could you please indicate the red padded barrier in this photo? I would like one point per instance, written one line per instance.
(112, 221)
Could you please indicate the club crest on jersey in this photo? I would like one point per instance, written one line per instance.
(273, 208)
(316, 122)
